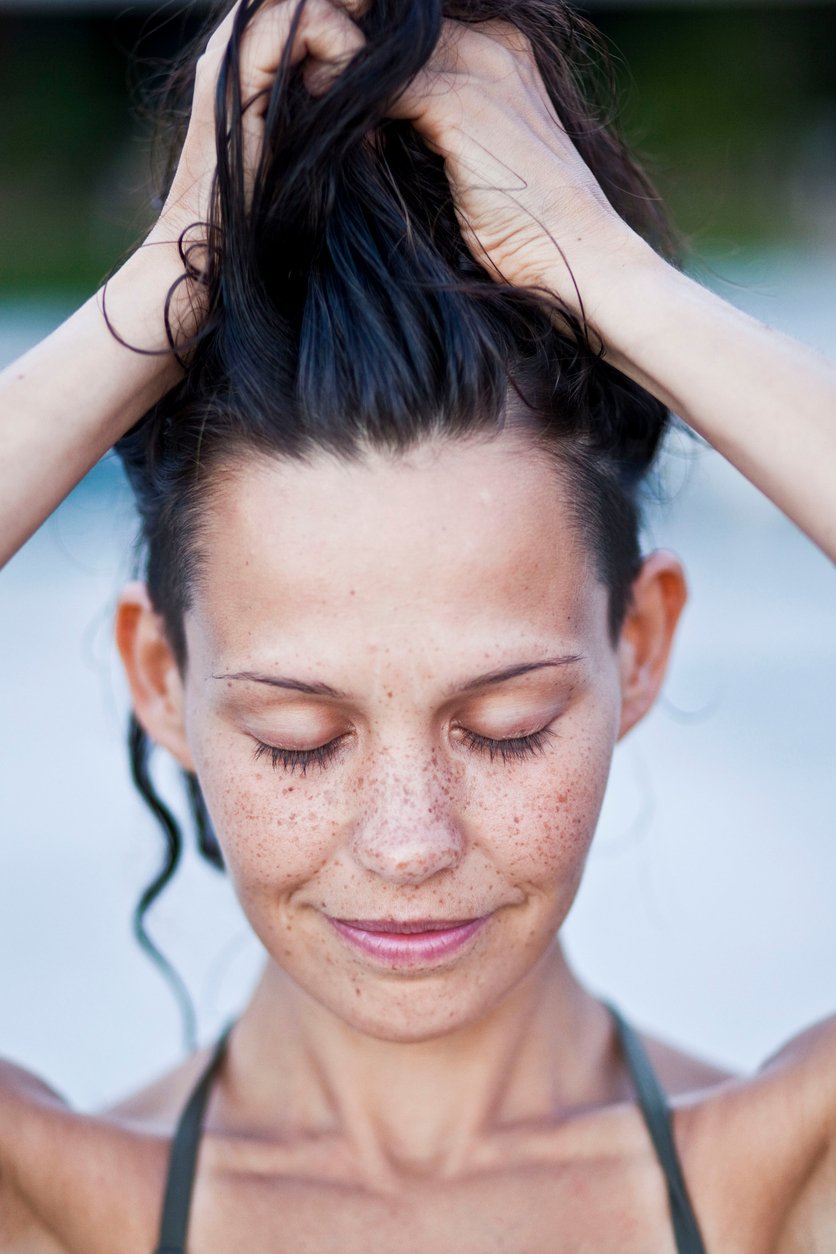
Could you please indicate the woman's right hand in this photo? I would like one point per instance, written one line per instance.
(71, 397)
(325, 39)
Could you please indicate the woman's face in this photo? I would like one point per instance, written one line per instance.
(401, 701)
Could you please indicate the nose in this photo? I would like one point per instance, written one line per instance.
(407, 830)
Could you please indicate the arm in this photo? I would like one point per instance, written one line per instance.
(65, 403)
(798, 1091)
(23, 1101)
(533, 214)
(764, 401)
(69, 1181)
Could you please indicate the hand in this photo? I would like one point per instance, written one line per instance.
(529, 208)
(326, 39)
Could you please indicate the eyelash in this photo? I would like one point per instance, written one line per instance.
(290, 759)
(510, 750)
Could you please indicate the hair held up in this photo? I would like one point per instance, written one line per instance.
(346, 311)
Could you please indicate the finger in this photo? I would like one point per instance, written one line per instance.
(220, 35)
(325, 35)
(507, 35)
(328, 39)
(437, 78)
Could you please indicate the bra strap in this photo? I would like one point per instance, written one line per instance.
(183, 1158)
(652, 1101)
(657, 1117)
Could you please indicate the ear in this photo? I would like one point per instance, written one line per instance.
(154, 679)
(659, 593)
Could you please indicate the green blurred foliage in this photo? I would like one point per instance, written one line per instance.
(75, 166)
(63, 123)
(733, 108)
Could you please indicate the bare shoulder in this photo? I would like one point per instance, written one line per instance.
(20, 1093)
(759, 1152)
(69, 1181)
(681, 1073)
(157, 1106)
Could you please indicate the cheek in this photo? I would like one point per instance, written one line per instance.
(543, 816)
(275, 831)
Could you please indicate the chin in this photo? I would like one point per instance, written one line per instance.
(415, 1001)
(421, 1007)
(423, 1019)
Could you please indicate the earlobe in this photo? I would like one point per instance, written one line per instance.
(151, 668)
(659, 594)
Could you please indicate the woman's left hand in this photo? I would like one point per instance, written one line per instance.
(530, 209)
(532, 213)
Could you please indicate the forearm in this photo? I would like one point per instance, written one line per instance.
(764, 401)
(66, 402)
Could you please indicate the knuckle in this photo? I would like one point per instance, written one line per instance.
(331, 22)
(520, 43)
(218, 39)
(206, 67)
(206, 75)
(506, 46)
(496, 58)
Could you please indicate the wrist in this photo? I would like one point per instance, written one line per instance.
(623, 270)
(135, 298)
(627, 290)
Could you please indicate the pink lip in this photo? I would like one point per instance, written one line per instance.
(408, 943)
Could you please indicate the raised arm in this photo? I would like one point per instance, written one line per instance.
(66, 402)
(764, 401)
(534, 214)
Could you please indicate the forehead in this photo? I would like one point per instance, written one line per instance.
(455, 538)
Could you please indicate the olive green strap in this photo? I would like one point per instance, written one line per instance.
(183, 1159)
(657, 1116)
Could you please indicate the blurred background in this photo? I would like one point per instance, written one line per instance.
(708, 906)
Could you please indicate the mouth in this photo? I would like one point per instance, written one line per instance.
(408, 943)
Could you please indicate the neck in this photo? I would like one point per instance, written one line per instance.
(431, 1106)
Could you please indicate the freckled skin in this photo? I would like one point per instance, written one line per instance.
(395, 581)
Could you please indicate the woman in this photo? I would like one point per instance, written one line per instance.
(394, 621)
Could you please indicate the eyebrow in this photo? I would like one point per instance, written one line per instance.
(479, 681)
(511, 672)
(282, 681)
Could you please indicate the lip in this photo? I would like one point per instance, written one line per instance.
(408, 943)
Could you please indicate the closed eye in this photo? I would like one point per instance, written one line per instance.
(298, 759)
(510, 749)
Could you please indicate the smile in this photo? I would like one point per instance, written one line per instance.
(408, 943)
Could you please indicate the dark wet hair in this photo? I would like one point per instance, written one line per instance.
(346, 311)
